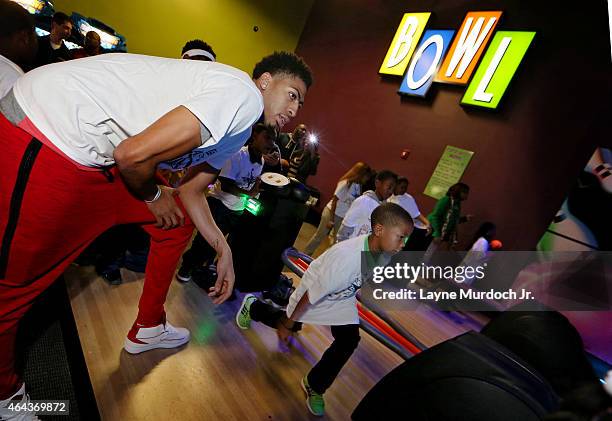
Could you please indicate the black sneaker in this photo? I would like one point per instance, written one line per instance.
(184, 274)
(274, 300)
(279, 295)
(204, 278)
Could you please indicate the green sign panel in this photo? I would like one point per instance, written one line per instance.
(497, 68)
(449, 171)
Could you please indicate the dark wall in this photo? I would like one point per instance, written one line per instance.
(527, 154)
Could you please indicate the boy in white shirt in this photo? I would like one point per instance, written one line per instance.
(326, 296)
(421, 223)
(480, 251)
(356, 222)
(238, 180)
(347, 190)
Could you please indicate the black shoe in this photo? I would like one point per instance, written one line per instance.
(136, 260)
(279, 295)
(113, 277)
(184, 274)
(85, 259)
(274, 300)
(204, 278)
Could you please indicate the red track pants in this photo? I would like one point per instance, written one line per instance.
(50, 210)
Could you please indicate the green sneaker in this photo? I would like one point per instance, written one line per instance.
(243, 317)
(314, 401)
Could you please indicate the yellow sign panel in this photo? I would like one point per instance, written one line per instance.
(404, 43)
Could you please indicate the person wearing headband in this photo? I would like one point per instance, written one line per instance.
(198, 50)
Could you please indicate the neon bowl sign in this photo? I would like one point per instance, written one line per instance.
(452, 57)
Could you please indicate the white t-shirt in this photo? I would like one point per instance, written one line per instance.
(480, 245)
(360, 213)
(332, 280)
(407, 202)
(9, 73)
(477, 256)
(87, 107)
(346, 195)
(244, 172)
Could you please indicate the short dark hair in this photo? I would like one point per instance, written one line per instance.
(484, 231)
(199, 45)
(14, 19)
(402, 179)
(260, 127)
(455, 190)
(60, 18)
(390, 214)
(386, 175)
(283, 62)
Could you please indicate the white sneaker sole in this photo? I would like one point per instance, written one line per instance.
(183, 279)
(134, 348)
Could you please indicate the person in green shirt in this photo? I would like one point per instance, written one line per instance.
(447, 215)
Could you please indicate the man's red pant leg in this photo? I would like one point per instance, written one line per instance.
(49, 212)
(167, 247)
(62, 210)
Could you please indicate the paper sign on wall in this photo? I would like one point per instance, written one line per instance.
(449, 171)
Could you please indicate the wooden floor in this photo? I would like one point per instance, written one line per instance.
(224, 373)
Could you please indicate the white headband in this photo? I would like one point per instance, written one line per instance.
(196, 52)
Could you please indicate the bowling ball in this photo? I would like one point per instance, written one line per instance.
(405, 154)
(299, 192)
(496, 244)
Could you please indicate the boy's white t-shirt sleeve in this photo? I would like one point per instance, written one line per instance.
(414, 208)
(341, 190)
(329, 275)
(408, 203)
(481, 245)
(350, 219)
(227, 106)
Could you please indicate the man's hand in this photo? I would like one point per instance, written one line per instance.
(165, 209)
(272, 159)
(225, 278)
(192, 190)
